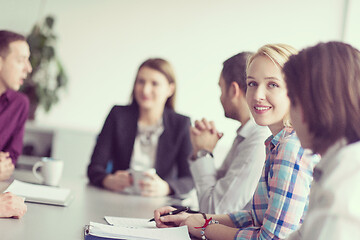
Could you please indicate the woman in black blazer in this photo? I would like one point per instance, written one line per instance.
(146, 134)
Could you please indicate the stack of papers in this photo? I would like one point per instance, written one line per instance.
(40, 193)
(133, 228)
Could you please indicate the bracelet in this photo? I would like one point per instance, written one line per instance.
(201, 153)
(207, 223)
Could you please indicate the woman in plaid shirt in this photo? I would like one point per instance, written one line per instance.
(281, 197)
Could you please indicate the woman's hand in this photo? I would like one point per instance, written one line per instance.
(118, 181)
(154, 186)
(169, 220)
(180, 219)
(194, 223)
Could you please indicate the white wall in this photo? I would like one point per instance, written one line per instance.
(102, 42)
(352, 28)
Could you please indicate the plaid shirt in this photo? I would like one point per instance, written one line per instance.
(281, 197)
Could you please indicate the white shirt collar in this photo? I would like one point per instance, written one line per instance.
(328, 160)
(246, 129)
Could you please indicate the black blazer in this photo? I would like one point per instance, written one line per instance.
(116, 142)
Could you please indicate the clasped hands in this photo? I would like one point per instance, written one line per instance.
(153, 186)
(204, 135)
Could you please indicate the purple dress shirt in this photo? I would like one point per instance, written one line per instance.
(14, 108)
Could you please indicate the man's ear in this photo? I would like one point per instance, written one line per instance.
(234, 90)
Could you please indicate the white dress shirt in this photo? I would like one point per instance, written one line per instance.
(145, 146)
(334, 208)
(231, 187)
(144, 152)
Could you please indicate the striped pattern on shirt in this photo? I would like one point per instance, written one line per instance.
(281, 197)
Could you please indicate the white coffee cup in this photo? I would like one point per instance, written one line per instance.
(51, 171)
(139, 175)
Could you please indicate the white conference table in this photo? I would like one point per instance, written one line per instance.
(66, 223)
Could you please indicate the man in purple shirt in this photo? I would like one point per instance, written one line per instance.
(14, 106)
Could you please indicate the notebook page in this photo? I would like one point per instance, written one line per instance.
(130, 222)
(39, 193)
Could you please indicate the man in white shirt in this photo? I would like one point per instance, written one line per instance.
(232, 186)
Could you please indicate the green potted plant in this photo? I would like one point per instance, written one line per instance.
(48, 76)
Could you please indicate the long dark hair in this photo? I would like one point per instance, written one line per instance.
(325, 81)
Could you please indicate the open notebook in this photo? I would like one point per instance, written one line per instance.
(40, 193)
(98, 231)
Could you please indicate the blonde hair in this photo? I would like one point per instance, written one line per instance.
(279, 54)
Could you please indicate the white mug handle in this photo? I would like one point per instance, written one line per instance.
(34, 170)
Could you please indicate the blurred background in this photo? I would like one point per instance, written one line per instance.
(102, 43)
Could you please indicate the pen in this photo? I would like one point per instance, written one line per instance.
(179, 210)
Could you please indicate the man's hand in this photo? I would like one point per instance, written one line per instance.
(11, 206)
(169, 220)
(118, 181)
(154, 186)
(204, 135)
(203, 125)
(6, 166)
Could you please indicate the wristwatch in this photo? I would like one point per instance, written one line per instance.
(202, 153)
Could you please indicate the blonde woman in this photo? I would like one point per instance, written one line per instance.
(281, 197)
